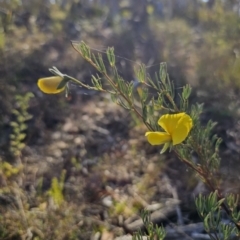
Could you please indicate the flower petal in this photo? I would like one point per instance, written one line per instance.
(169, 121)
(182, 129)
(49, 84)
(157, 138)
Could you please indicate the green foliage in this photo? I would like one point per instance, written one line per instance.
(121, 208)
(19, 125)
(200, 142)
(209, 209)
(221, 35)
(153, 231)
(8, 170)
(56, 191)
(2, 38)
(19, 219)
(232, 202)
(201, 47)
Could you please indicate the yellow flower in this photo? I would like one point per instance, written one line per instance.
(176, 126)
(49, 84)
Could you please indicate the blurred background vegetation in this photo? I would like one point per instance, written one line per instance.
(70, 167)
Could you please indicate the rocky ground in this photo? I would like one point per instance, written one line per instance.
(112, 173)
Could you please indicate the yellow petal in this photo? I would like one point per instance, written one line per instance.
(182, 129)
(49, 84)
(169, 121)
(177, 125)
(157, 138)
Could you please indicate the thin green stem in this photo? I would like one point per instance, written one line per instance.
(126, 99)
(172, 102)
(87, 86)
(115, 87)
(82, 84)
(211, 236)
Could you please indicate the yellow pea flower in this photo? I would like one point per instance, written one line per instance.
(176, 126)
(49, 84)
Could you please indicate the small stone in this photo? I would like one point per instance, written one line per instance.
(107, 235)
(78, 141)
(107, 201)
(70, 127)
(96, 236)
(56, 135)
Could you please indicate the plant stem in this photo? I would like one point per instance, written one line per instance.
(115, 87)
(82, 84)
(210, 185)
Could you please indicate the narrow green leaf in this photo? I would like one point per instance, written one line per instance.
(163, 72)
(63, 83)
